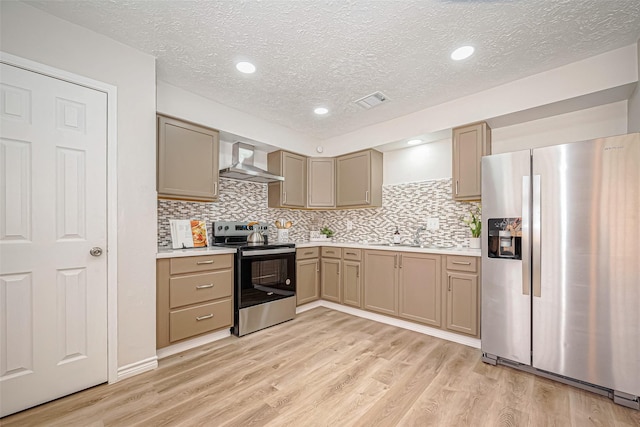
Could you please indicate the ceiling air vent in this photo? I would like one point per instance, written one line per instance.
(373, 100)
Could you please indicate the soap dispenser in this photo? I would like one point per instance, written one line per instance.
(396, 236)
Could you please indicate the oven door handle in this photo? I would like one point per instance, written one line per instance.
(259, 252)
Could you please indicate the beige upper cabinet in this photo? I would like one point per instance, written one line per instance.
(187, 161)
(470, 143)
(321, 187)
(359, 179)
(292, 192)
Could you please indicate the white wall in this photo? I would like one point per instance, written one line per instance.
(32, 34)
(634, 103)
(433, 161)
(179, 103)
(596, 122)
(420, 163)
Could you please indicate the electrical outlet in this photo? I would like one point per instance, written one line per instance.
(349, 225)
(433, 223)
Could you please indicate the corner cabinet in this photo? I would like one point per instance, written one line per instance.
(359, 180)
(321, 182)
(292, 192)
(187, 161)
(194, 296)
(470, 143)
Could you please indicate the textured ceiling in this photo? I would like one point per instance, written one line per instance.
(332, 52)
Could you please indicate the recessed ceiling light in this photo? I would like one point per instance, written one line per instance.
(414, 141)
(246, 67)
(321, 111)
(462, 53)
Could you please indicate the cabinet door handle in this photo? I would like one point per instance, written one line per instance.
(205, 317)
(358, 271)
(395, 261)
(215, 188)
(317, 267)
(366, 196)
(338, 271)
(456, 187)
(400, 265)
(210, 285)
(460, 263)
(284, 197)
(449, 283)
(204, 262)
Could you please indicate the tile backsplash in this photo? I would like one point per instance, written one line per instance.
(406, 206)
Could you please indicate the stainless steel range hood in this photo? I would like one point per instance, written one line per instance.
(242, 167)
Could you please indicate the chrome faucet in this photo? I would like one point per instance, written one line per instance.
(416, 238)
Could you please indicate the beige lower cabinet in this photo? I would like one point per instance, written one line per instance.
(420, 288)
(381, 281)
(307, 275)
(193, 296)
(331, 280)
(462, 295)
(352, 277)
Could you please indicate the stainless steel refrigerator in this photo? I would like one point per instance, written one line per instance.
(561, 263)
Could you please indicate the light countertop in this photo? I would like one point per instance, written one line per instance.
(391, 247)
(177, 253)
(216, 250)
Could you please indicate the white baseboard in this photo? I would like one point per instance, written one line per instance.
(193, 343)
(438, 333)
(137, 368)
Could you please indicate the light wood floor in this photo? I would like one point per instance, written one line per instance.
(327, 368)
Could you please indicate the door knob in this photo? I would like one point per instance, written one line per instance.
(95, 251)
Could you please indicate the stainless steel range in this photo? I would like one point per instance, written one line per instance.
(265, 276)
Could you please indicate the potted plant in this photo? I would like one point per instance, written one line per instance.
(327, 232)
(474, 222)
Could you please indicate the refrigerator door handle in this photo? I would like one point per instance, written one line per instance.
(535, 236)
(526, 241)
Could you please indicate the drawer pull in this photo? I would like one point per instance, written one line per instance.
(210, 285)
(205, 262)
(460, 263)
(308, 253)
(208, 316)
(351, 253)
(330, 252)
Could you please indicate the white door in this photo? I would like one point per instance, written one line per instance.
(53, 292)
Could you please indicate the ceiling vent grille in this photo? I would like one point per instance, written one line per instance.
(372, 100)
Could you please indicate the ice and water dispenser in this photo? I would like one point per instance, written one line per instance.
(505, 238)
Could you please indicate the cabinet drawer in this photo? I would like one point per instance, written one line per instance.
(462, 263)
(198, 320)
(332, 252)
(200, 263)
(352, 254)
(195, 288)
(306, 253)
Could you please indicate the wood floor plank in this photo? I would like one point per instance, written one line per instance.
(327, 368)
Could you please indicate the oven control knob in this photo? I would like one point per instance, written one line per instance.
(219, 227)
(288, 281)
(226, 227)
